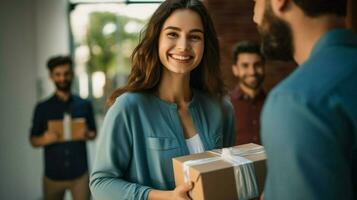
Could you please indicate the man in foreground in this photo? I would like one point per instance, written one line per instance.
(309, 121)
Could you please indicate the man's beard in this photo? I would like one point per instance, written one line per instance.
(259, 82)
(276, 37)
(64, 87)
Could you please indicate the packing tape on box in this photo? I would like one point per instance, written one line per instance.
(67, 132)
(244, 173)
(189, 163)
(246, 183)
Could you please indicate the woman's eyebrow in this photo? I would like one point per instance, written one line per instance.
(178, 29)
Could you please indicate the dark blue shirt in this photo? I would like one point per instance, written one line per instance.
(64, 160)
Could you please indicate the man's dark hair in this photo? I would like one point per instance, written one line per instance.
(246, 47)
(55, 61)
(315, 8)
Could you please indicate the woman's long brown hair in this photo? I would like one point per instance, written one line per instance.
(146, 69)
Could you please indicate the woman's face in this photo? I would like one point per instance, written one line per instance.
(181, 42)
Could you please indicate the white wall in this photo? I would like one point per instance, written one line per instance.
(30, 31)
(52, 37)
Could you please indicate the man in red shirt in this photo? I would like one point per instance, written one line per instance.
(248, 96)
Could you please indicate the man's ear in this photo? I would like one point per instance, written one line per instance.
(280, 6)
(50, 76)
(235, 70)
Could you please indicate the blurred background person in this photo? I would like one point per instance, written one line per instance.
(66, 166)
(248, 96)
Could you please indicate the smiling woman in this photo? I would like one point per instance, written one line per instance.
(171, 106)
(147, 67)
(181, 42)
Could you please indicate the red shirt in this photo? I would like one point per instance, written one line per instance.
(247, 113)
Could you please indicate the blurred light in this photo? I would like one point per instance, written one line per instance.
(96, 49)
(109, 28)
(98, 82)
(133, 27)
(83, 85)
(82, 54)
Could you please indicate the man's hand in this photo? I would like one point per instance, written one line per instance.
(45, 139)
(83, 134)
(50, 137)
(90, 135)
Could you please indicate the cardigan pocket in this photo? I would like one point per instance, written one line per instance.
(159, 154)
(161, 143)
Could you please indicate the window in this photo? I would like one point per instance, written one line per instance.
(104, 34)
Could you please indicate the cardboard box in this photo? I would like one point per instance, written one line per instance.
(216, 180)
(78, 128)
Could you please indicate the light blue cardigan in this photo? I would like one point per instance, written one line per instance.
(142, 133)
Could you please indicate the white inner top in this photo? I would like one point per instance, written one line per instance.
(194, 144)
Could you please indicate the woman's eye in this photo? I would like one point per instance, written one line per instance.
(195, 37)
(172, 35)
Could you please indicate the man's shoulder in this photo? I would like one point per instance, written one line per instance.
(80, 100)
(318, 77)
(44, 102)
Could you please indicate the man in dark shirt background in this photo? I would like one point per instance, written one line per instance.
(248, 96)
(66, 165)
